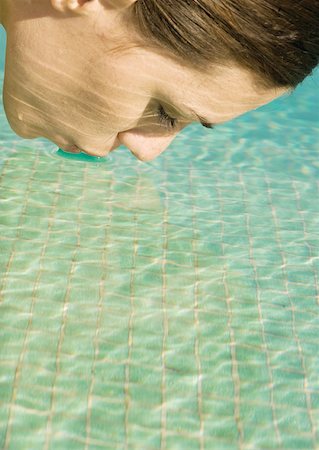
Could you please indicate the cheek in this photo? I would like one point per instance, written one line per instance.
(16, 112)
(119, 91)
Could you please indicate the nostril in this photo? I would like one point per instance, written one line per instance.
(143, 156)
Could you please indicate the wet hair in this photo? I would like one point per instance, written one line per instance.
(276, 40)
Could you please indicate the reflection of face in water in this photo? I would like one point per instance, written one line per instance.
(65, 82)
(131, 193)
(138, 194)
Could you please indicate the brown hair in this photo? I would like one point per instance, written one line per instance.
(277, 40)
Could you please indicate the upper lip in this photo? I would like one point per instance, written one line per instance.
(70, 148)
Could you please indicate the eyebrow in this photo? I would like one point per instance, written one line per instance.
(204, 122)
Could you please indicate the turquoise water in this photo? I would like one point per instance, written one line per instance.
(167, 305)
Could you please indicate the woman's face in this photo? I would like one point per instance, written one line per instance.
(66, 81)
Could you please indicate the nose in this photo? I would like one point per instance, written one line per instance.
(145, 147)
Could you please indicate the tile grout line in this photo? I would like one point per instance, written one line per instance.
(165, 319)
(19, 366)
(292, 306)
(306, 386)
(127, 398)
(196, 316)
(260, 316)
(104, 263)
(48, 433)
(234, 362)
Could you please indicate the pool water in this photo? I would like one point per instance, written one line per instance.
(164, 305)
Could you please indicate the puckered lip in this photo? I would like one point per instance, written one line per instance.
(73, 148)
(70, 148)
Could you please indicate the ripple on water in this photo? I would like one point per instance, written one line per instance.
(82, 156)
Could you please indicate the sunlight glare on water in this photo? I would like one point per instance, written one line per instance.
(172, 304)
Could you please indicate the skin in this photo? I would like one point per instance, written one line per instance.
(73, 76)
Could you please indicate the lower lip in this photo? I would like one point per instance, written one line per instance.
(76, 150)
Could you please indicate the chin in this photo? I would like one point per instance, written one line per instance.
(21, 129)
(18, 126)
(26, 135)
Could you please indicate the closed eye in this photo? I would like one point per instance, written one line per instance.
(171, 123)
(165, 119)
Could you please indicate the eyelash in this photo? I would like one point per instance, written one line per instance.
(165, 119)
